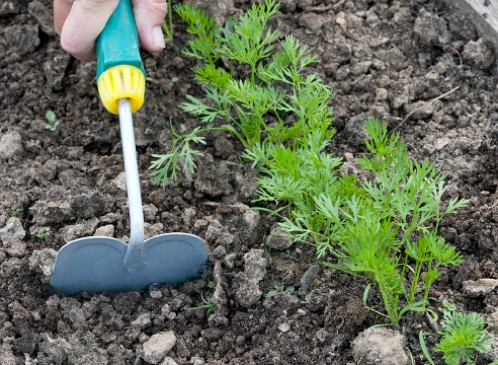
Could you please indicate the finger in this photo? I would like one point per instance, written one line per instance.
(149, 16)
(61, 11)
(85, 22)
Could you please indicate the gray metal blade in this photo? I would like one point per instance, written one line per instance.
(95, 264)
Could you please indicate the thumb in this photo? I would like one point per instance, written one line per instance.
(149, 15)
(84, 23)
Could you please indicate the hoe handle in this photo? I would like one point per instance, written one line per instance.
(121, 83)
(118, 43)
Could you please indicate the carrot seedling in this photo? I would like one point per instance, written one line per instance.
(257, 102)
(383, 227)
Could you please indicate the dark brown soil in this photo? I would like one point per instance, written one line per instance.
(416, 64)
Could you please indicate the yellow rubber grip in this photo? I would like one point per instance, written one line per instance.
(119, 82)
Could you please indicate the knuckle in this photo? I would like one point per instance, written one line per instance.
(97, 2)
(157, 6)
(91, 4)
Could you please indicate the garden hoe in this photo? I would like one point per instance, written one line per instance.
(98, 264)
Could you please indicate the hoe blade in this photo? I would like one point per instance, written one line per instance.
(95, 264)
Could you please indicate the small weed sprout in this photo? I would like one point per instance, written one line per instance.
(52, 120)
(14, 212)
(279, 288)
(208, 305)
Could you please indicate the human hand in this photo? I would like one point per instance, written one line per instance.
(79, 23)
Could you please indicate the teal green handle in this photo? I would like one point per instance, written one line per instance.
(118, 43)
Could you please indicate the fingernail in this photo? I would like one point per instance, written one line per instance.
(158, 37)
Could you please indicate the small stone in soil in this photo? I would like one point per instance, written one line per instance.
(49, 212)
(288, 6)
(105, 231)
(55, 68)
(17, 249)
(479, 287)
(10, 145)
(12, 232)
(168, 361)
(43, 260)
(361, 68)
(248, 292)
(478, 54)
(120, 181)
(54, 350)
(110, 218)
(197, 361)
(214, 185)
(72, 232)
(321, 335)
(431, 30)
(224, 148)
(42, 16)
(7, 357)
(156, 348)
(151, 230)
(84, 350)
(312, 21)
(492, 320)
(421, 110)
(219, 252)
(230, 260)
(9, 8)
(77, 318)
(284, 327)
(156, 294)
(22, 39)
(440, 143)
(218, 234)
(277, 241)
(150, 212)
(251, 223)
(143, 321)
(89, 205)
(25, 344)
(381, 94)
(380, 346)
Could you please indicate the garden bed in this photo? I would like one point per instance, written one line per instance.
(419, 66)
